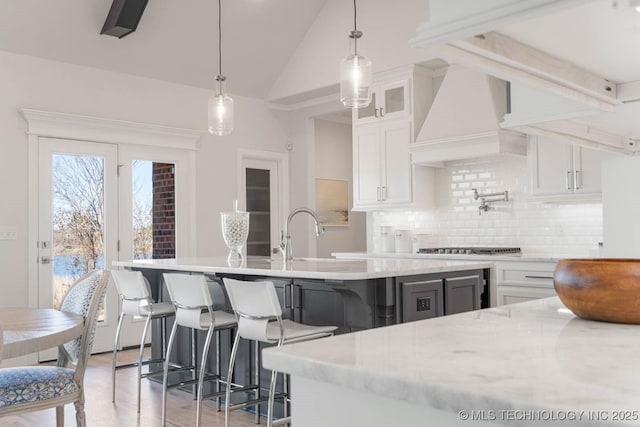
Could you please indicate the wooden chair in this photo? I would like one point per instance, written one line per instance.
(32, 388)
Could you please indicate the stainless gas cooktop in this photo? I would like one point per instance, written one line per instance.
(473, 250)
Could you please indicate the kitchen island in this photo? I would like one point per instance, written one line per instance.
(353, 295)
(308, 268)
(533, 363)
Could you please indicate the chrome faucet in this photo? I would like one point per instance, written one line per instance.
(285, 237)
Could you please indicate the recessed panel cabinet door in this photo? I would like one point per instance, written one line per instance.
(552, 167)
(588, 165)
(421, 299)
(367, 166)
(397, 171)
(462, 294)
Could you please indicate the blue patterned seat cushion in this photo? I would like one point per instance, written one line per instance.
(34, 383)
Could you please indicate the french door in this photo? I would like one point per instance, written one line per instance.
(99, 203)
(77, 227)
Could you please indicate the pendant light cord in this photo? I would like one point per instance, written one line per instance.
(355, 14)
(220, 36)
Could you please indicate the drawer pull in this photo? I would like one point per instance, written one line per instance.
(538, 277)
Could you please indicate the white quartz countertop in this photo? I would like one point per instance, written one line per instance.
(530, 356)
(524, 257)
(311, 268)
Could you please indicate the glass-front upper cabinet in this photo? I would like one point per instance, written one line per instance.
(389, 100)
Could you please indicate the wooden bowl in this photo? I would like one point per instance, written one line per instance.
(605, 289)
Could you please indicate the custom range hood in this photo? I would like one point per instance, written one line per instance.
(464, 121)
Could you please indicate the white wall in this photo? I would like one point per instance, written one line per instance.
(300, 128)
(572, 229)
(621, 202)
(333, 160)
(27, 82)
(387, 27)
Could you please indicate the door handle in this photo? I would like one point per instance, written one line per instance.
(378, 192)
(45, 260)
(288, 297)
(577, 180)
(375, 112)
(381, 112)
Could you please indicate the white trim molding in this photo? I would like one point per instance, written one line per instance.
(45, 124)
(94, 129)
(281, 161)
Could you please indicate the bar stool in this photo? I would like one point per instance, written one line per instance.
(135, 296)
(259, 317)
(194, 309)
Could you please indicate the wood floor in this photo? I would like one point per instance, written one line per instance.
(101, 412)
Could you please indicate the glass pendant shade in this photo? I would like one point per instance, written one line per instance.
(356, 74)
(220, 111)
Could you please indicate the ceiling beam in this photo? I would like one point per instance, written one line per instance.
(454, 20)
(629, 91)
(583, 135)
(512, 60)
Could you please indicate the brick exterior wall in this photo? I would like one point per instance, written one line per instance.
(164, 211)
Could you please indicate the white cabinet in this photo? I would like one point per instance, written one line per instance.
(524, 281)
(389, 100)
(563, 170)
(382, 171)
(515, 294)
(381, 165)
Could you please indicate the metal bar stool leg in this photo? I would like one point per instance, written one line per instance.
(141, 355)
(285, 385)
(116, 344)
(256, 378)
(203, 366)
(218, 370)
(194, 360)
(272, 392)
(166, 374)
(232, 362)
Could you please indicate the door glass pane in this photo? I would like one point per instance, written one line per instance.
(394, 100)
(370, 110)
(259, 205)
(154, 210)
(78, 219)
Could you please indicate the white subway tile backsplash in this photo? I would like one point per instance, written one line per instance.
(536, 227)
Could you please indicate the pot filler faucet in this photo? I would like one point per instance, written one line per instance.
(487, 198)
(285, 237)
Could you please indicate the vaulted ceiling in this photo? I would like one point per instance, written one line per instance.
(176, 40)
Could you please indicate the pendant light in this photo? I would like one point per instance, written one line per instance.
(220, 104)
(355, 73)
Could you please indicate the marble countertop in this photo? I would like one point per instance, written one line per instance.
(524, 257)
(311, 268)
(530, 356)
